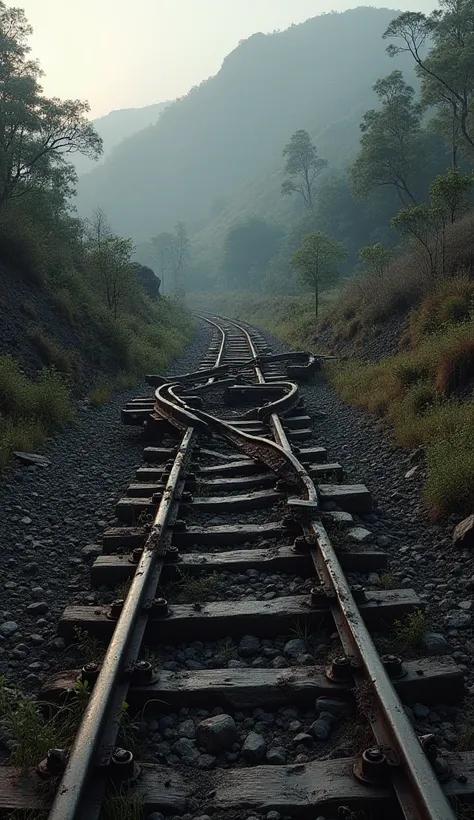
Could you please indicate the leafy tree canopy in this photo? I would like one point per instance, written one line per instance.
(36, 133)
(391, 149)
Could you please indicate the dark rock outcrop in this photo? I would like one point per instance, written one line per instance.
(148, 280)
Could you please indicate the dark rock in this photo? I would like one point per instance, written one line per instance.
(463, 535)
(276, 756)
(435, 644)
(320, 729)
(148, 279)
(249, 646)
(254, 747)
(295, 647)
(38, 608)
(186, 750)
(216, 734)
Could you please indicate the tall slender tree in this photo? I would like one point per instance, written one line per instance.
(447, 70)
(303, 166)
(316, 262)
(391, 144)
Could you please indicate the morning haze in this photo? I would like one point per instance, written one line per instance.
(118, 55)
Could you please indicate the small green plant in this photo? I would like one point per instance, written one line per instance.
(410, 630)
(387, 580)
(227, 649)
(120, 805)
(101, 394)
(66, 362)
(128, 728)
(122, 589)
(301, 630)
(466, 736)
(89, 647)
(35, 727)
(192, 589)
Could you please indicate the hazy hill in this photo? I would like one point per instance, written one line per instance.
(228, 133)
(117, 126)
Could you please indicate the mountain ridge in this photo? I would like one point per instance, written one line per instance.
(229, 131)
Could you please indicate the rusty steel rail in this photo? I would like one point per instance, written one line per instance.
(405, 764)
(70, 801)
(422, 796)
(400, 751)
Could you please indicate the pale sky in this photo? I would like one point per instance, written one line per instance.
(120, 54)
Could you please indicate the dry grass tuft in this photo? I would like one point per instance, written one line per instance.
(456, 367)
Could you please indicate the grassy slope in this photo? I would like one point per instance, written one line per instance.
(425, 389)
(59, 340)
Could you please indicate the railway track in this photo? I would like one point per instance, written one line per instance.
(229, 491)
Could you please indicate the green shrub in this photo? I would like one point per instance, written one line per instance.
(66, 362)
(19, 434)
(30, 410)
(450, 460)
(51, 402)
(22, 245)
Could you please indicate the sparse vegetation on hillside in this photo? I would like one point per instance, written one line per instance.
(426, 392)
(30, 409)
(98, 320)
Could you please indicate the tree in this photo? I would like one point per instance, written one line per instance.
(391, 146)
(447, 71)
(303, 166)
(179, 254)
(248, 248)
(110, 258)
(449, 193)
(375, 258)
(163, 251)
(317, 262)
(171, 252)
(426, 225)
(36, 133)
(423, 226)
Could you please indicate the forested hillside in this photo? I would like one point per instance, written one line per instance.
(117, 126)
(214, 154)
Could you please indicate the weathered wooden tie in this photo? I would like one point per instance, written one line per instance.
(128, 510)
(212, 621)
(110, 570)
(426, 681)
(300, 790)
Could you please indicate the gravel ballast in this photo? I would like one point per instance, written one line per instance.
(53, 517)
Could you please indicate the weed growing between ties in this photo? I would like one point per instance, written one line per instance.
(87, 646)
(120, 805)
(189, 589)
(466, 736)
(407, 637)
(33, 727)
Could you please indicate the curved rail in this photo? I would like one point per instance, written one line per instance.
(419, 793)
(390, 723)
